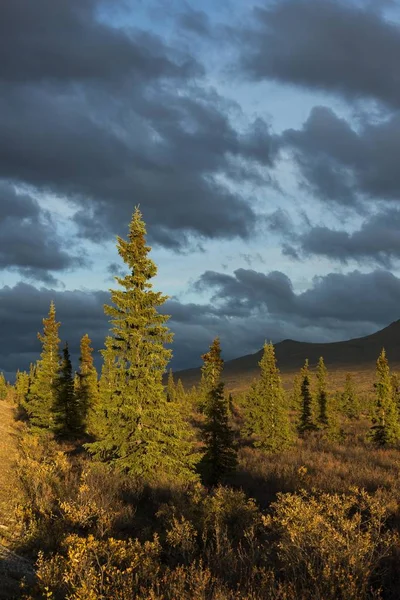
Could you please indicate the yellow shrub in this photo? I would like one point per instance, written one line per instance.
(96, 569)
(329, 545)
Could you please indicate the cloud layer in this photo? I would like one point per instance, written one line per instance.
(106, 104)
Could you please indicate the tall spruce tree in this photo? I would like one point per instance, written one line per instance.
(42, 391)
(142, 433)
(267, 414)
(386, 427)
(220, 457)
(306, 415)
(322, 393)
(67, 418)
(86, 384)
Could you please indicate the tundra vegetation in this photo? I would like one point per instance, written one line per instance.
(135, 487)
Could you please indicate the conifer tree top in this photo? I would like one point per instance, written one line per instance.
(212, 366)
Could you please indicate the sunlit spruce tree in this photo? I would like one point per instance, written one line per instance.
(3, 387)
(180, 392)
(385, 430)
(350, 406)
(86, 383)
(210, 372)
(396, 391)
(322, 393)
(307, 422)
(141, 433)
(98, 419)
(267, 415)
(67, 417)
(220, 457)
(21, 388)
(42, 391)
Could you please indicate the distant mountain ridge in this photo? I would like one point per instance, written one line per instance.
(358, 354)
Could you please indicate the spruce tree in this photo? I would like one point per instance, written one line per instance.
(210, 372)
(21, 389)
(67, 419)
(306, 416)
(220, 457)
(3, 387)
(142, 433)
(322, 393)
(171, 389)
(386, 428)
(267, 414)
(349, 399)
(86, 384)
(212, 366)
(396, 391)
(180, 392)
(98, 422)
(42, 392)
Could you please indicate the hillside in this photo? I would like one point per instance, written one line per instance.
(357, 355)
(12, 567)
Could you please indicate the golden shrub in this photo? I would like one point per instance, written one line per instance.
(330, 545)
(93, 569)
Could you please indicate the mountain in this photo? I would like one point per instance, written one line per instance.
(357, 355)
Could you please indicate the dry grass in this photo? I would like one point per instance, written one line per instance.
(9, 494)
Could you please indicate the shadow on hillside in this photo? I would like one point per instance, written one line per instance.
(14, 571)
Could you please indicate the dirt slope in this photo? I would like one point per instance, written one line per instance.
(12, 567)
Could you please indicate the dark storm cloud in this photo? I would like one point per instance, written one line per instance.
(246, 309)
(22, 309)
(29, 242)
(336, 46)
(195, 21)
(108, 117)
(65, 40)
(249, 307)
(341, 164)
(377, 241)
(333, 297)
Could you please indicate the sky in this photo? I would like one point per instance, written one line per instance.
(260, 139)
